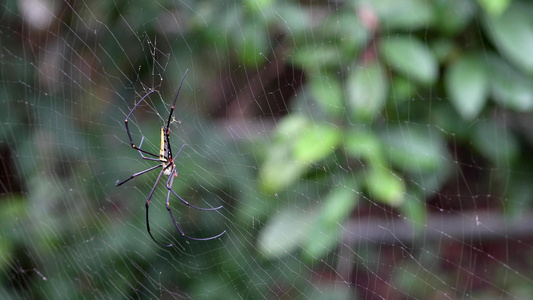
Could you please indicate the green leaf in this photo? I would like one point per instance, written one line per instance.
(402, 89)
(297, 142)
(316, 143)
(328, 93)
(367, 90)
(290, 127)
(405, 14)
(430, 183)
(452, 16)
(414, 210)
(510, 88)
(321, 241)
(13, 212)
(467, 84)
(280, 170)
(336, 208)
(285, 232)
(494, 7)
(414, 149)
(338, 205)
(384, 186)
(313, 58)
(346, 31)
(363, 145)
(512, 33)
(292, 18)
(257, 6)
(409, 56)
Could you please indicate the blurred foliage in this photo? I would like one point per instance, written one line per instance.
(389, 92)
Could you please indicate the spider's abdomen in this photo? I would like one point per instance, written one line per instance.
(164, 152)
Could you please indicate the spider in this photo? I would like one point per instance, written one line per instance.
(168, 169)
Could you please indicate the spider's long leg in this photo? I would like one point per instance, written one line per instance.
(146, 205)
(144, 157)
(188, 204)
(170, 181)
(176, 98)
(167, 128)
(176, 156)
(137, 174)
(169, 187)
(128, 129)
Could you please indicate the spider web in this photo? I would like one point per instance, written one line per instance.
(343, 171)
